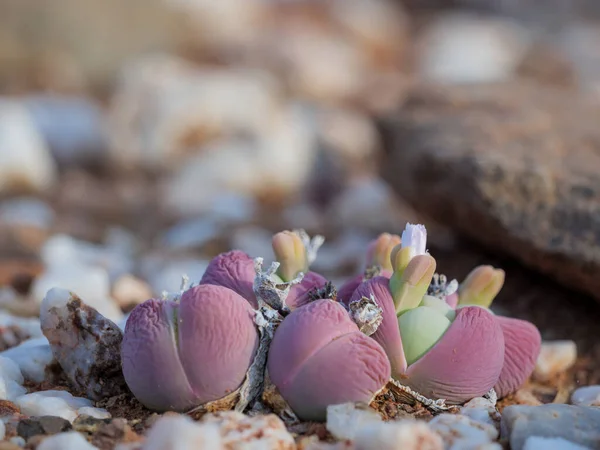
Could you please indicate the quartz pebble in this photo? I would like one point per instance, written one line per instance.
(58, 403)
(241, 431)
(555, 357)
(179, 432)
(33, 357)
(462, 432)
(538, 443)
(577, 424)
(482, 410)
(402, 435)
(86, 344)
(343, 421)
(586, 396)
(25, 160)
(66, 441)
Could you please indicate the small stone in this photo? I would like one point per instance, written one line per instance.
(66, 441)
(401, 435)
(16, 440)
(586, 396)
(536, 443)
(25, 160)
(96, 413)
(241, 431)
(2, 430)
(42, 425)
(463, 48)
(52, 403)
(459, 431)
(86, 345)
(344, 421)
(555, 357)
(180, 432)
(191, 233)
(128, 291)
(33, 358)
(577, 424)
(482, 410)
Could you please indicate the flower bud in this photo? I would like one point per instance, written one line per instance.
(409, 288)
(414, 237)
(380, 250)
(290, 252)
(481, 286)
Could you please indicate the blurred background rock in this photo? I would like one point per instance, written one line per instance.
(140, 138)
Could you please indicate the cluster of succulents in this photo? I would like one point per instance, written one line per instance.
(397, 320)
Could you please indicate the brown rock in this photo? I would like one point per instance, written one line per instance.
(515, 167)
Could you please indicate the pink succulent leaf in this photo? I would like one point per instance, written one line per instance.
(150, 359)
(299, 293)
(351, 368)
(522, 342)
(233, 270)
(347, 289)
(318, 357)
(217, 340)
(302, 333)
(388, 334)
(452, 300)
(465, 363)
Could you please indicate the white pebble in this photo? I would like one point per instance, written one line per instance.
(462, 432)
(401, 435)
(2, 430)
(66, 441)
(182, 433)
(555, 357)
(97, 413)
(482, 410)
(586, 396)
(553, 443)
(25, 160)
(26, 211)
(10, 389)
(17, 440)
(33, 357)
(343, 421)
(9, 370)
(191, 233)
(52, 403)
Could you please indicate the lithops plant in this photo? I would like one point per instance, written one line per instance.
(319, 357)
(179, 354)
(441, 343)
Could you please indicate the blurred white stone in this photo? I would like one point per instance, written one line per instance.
(165, 107)
(241, 431)
(345, 420)
(461, 432)
(555, 357)
(33, 357)
(177, 432)
(464, 48)
(73, 127)
(71, 440)
(26, 211)
(303, 215)
(129, 290)
(482, 410)
(11, 380)
(586, 396)
(349, 249)
(29, 326)
(25, 160)
(551, 443)
(366, 203)
(164, 274)
(2, 430)
(350, 134)
(90, 283)
(401, 435)
(17, 440)
(191, 233)
(378, 23)
(115, 256)
(52, 403)
(228, 207)
(276, 159)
